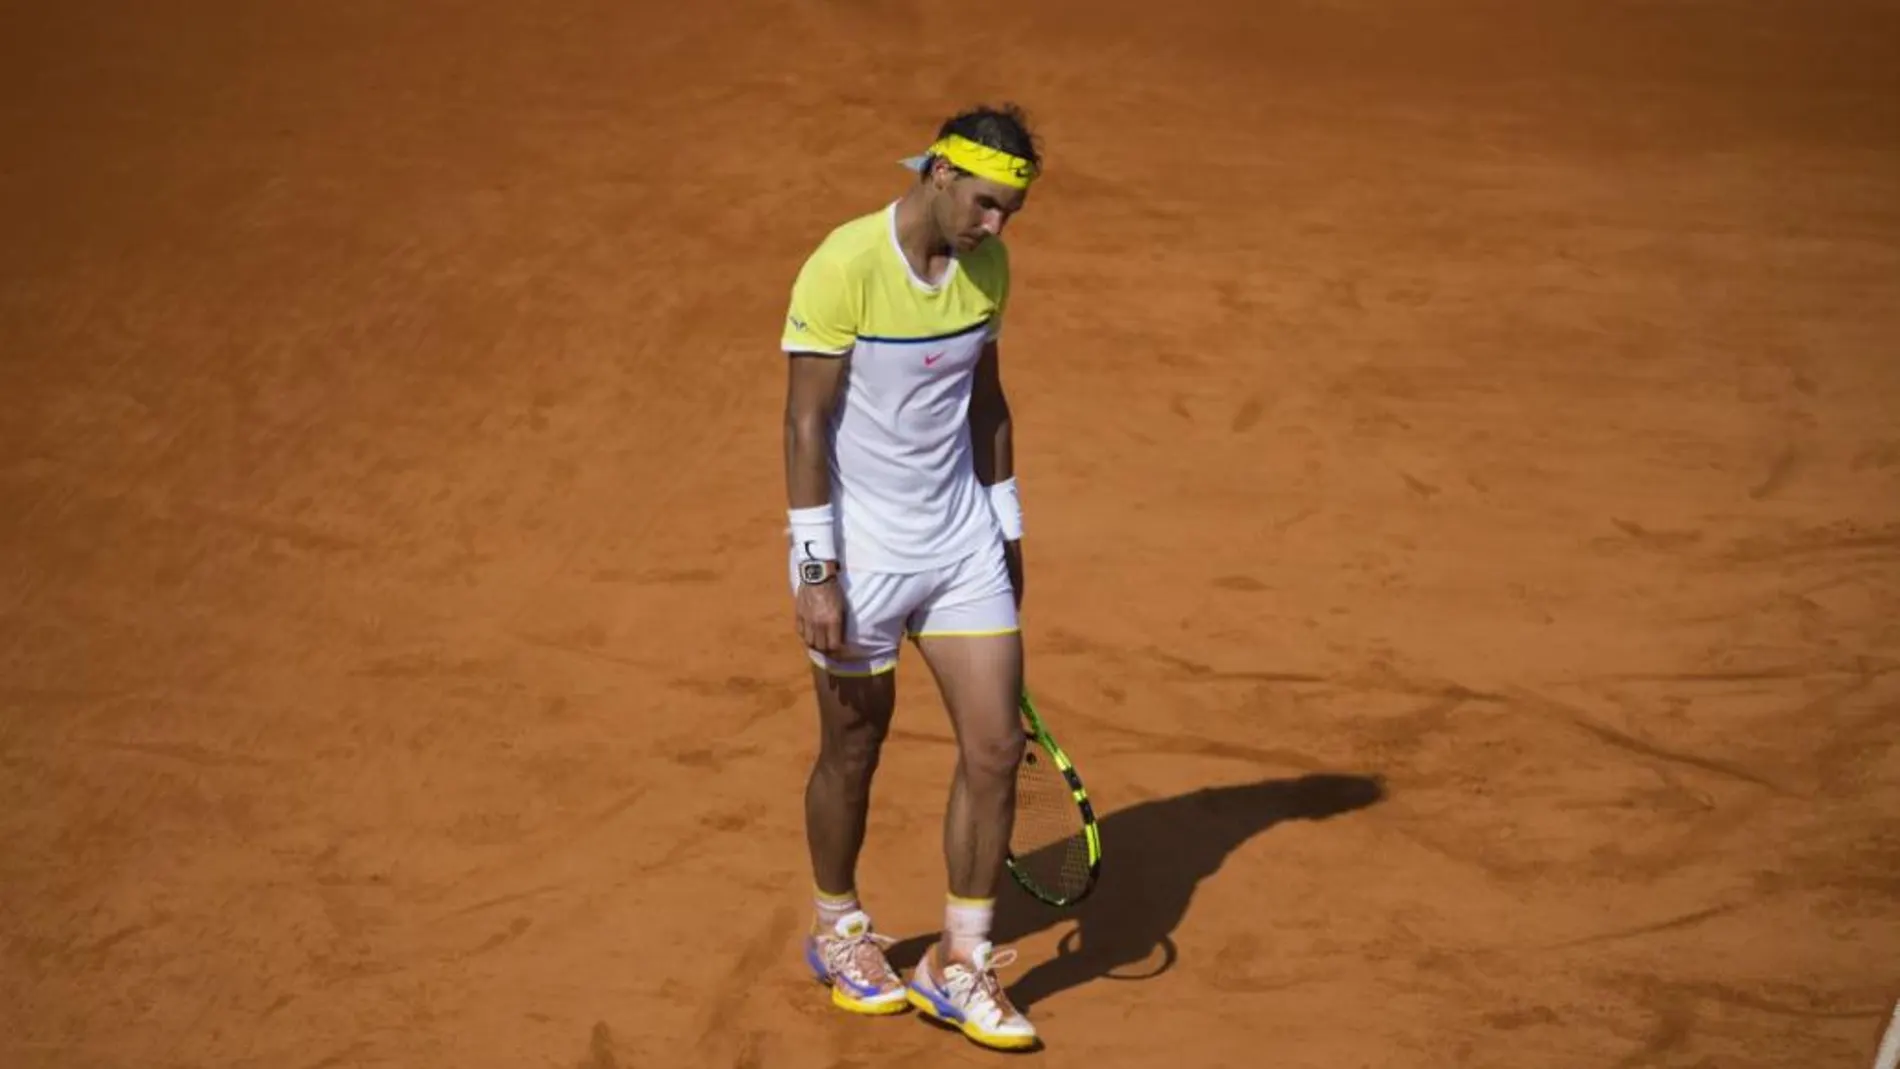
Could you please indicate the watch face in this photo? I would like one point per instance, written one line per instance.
(812, 571)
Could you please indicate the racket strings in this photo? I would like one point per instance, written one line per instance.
(1048, 844)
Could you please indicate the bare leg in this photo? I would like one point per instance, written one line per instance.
(981, 680)
(854, 715)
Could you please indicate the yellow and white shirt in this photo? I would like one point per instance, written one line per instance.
(902, 481)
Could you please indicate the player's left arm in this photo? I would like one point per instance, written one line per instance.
(990, 427)
(992, 440)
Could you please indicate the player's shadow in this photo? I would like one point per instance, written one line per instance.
(1154, 855)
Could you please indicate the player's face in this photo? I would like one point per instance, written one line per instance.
(977, 209)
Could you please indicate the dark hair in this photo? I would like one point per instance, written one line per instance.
(1003, 127)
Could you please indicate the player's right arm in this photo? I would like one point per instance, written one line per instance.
(810, 393)
(820, 330)
(813, 384)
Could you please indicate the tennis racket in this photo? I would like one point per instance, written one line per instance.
(1055, 849)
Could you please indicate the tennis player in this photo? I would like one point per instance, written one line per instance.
(905, 523)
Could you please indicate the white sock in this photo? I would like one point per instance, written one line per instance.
(966, 925)
(833, 908)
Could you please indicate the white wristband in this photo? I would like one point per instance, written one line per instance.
(814, 534)
(1008, 507)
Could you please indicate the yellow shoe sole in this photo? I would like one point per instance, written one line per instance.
(866, 1009)
(969, 1031)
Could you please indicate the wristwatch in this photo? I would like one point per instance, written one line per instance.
(813, 572)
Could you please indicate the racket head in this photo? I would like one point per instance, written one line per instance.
(1055, 852)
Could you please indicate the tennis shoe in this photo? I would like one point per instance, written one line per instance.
(969, 998)
(850, 959)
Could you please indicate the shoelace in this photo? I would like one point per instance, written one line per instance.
(963, 980)
(846, 955)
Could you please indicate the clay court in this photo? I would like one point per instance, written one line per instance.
(1460, 446)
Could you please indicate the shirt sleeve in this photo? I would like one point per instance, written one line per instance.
(825, 309)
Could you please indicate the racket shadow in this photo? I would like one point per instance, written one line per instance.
(1156, 854)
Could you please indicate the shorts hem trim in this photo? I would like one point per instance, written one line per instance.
(993, 633)
(833, 669)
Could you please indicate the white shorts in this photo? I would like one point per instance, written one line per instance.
(970, 597)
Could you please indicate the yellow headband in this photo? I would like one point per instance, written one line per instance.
(986, 162)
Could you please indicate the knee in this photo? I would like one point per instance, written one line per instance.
(851, 752)
(993, 757)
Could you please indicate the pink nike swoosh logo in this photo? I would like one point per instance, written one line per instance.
(931, 359)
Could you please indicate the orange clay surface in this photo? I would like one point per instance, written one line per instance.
(1461, 449)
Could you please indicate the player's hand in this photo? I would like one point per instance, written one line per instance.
(1013, 560)
(820, 610)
